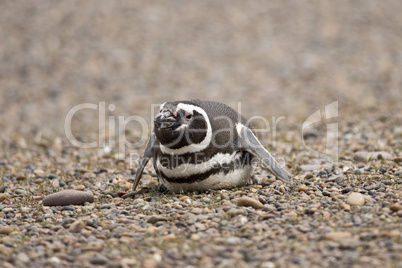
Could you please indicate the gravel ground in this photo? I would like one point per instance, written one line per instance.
(285, 59)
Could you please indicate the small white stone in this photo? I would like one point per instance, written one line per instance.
(355, 199)
(54, 260)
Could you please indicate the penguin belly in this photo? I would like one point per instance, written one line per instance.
(223, 171)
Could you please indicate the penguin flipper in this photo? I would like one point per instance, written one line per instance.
(148, 154)
(250, 143)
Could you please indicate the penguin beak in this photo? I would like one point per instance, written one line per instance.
(165, 119)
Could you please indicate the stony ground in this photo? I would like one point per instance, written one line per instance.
(282, 59)
(335, 215)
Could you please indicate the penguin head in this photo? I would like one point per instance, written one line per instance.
(180, 124)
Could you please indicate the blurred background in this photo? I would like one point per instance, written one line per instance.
(277, 58)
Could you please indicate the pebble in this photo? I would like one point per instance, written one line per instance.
(68, 208)
(8, 210)
(4, 196)
(245, 201)
(326, 215)
(381, 155)
(234, 212)
(326, 193)
(68, 197)
(155, 219)
(54, 210)
(290, 215)
(20, 191)
(128, 186)
(355, 199)
(362, 156)
(356, 220)
(339, 180)
(98, 260)
(398, 160)
(6, 230)
(20, 177)
(310, 167)
(308, 176)
(336, 236)
(282, 189)
(3, 188)
(79, 187)
(344, 206)
(196, 211)
(39, 173)
(77, 226)
(23, 257)
(52, 176)
(396, 207)
(346, 190)
(54, 260)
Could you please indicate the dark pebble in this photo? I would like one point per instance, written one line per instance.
(68, 208)
(105, 206)
(339, 180)
(52, 177)
(54, 210)
(92, 222)
(111, 194)
(62, 183)
(346, 190)
(68, 197)
(155, 219)
(326, 193)
(3, 188)
(262, 200)
(180, 224)
(383, 170)
(360, 165)
(69, 258)
(98, 260)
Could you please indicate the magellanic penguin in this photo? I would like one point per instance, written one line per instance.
(201, 145)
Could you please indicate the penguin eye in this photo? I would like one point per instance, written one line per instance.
(187, 115)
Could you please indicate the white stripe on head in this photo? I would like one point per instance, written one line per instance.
(195, 147)
(239, 127)
(160, 107)
(186, 170)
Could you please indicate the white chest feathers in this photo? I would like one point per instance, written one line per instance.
(219, 172)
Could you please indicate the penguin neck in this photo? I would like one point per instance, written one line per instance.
(185, 145)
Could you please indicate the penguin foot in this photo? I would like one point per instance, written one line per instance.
(162, 188)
